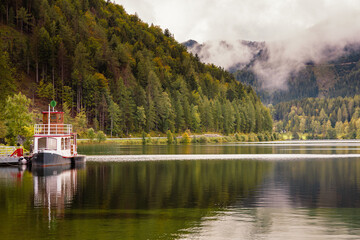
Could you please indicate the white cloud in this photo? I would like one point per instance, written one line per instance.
(260, 20)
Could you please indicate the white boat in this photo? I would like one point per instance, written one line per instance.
(54, 142)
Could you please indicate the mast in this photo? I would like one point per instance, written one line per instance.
(49, 121)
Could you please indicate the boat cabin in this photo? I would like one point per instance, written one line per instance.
(54, 136)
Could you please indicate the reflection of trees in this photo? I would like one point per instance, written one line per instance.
(323, 183)
(179, 184)
(165, 199)
(227, 148)
(11, 179)
(152, 200)
(137, 200)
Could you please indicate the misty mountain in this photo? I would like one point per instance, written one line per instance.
(335, 73)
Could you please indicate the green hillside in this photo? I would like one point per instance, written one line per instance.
(115, 73)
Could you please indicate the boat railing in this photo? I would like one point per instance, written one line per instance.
(7, 150)
(57, 129)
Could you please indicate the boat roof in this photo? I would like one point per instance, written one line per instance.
(51, 112)
(54, 135)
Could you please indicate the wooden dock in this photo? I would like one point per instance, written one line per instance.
(9, 161)
(5, 156)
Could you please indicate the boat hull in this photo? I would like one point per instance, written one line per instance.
(49, 159)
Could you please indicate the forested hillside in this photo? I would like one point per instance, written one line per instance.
(116, 73)
(319, 118)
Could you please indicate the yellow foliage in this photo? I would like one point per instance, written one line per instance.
(58, 11)
(102, 80)
(158, 62)
(28, 131)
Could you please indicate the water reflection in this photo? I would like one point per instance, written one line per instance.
(193, 199)
(312, 199)
(54, 188)
(172, 184)
(290, 147)
(12, 174)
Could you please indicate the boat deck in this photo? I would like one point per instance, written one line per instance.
(5, 158)
(9, 161)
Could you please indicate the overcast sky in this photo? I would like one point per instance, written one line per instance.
(258, 20)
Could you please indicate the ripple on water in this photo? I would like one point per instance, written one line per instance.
(132, 158)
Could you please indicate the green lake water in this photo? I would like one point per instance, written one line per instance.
(292, 195)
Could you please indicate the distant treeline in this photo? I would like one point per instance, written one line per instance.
(319, 118)
(120, 74)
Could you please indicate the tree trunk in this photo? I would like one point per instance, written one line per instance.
(43, 72)
(62, 82)
(37, 71)
(28, 65)
(62, 73)
(111, 127)
(29, 5)
(17, 19)
(7, 13)
(78, 99)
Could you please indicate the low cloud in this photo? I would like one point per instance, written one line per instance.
(321, 43)
(226, 54)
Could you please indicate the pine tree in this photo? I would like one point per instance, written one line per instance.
(45, 47)
(345, 115)
(179, 116)
(195, 119)
(339, 115)
(114, 113)
(81, 67)
(150, 114)
(140, 118)
(251, 120)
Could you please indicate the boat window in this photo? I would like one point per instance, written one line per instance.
(42, 143)
(67, 143)
(51, 144)
(62, 143)
(47, 143)
(53, 118)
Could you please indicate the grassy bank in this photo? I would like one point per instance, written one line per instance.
(186, 138)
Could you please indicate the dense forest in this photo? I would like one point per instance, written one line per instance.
(319, 118)
(111, 71)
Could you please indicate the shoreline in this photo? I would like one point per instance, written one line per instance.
(185, 139)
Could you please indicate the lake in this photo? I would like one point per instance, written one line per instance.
(284, 190)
